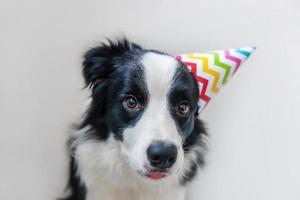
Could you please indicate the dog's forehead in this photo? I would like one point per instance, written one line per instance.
(159, 71)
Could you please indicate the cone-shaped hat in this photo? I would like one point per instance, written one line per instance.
(213, 69)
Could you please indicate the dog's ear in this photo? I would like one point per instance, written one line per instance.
(99, 61)
(98, 67)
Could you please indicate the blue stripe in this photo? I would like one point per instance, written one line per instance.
(245, 53)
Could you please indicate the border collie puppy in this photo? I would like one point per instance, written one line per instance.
(140, 138)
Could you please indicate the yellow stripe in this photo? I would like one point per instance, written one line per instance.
(206, 69)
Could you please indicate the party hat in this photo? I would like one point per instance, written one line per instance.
(213, 69)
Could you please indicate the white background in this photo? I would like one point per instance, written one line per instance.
(253, 122)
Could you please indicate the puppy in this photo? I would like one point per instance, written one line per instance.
(140, 138)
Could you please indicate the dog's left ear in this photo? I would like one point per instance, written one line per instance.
(99, 61)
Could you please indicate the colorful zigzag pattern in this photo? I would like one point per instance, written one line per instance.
(212, 70)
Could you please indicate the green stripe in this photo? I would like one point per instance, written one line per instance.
(245, 53)
(225, 66)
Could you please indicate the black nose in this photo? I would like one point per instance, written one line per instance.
(162, 155)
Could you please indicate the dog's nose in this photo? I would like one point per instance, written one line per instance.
(161, 154)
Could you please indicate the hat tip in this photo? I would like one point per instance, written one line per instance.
(249, 49)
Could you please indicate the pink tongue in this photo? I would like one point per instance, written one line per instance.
(155, 175)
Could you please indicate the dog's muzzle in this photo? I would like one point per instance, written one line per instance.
(162, 156)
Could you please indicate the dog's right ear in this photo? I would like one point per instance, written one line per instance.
(99, 62)
(98, 67)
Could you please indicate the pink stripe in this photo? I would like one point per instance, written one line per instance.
(178, 57)
(234, 59)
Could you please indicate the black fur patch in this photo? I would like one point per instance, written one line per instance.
(78, 189)
(196, 138)
(185, 88)
(113, 71)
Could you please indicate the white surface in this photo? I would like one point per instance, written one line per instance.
(254, 121)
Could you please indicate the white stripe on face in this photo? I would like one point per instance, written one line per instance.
(156, 123)
(159, 72)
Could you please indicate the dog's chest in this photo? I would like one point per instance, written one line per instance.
(108, 192)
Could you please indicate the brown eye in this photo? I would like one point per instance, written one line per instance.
(183, 109)
(131, 103)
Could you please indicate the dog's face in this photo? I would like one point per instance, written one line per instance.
(145, 100)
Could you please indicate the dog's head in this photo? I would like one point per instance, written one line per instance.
(147, 101)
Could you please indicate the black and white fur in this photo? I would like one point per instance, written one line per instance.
(108, 149)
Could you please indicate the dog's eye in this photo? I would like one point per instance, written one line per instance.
(131, 103)
(183, 109)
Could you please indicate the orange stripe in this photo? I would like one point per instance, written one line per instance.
(206, 69)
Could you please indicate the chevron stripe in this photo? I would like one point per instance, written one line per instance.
(234, 59)
(202, 80)
(203, 90)
(224, 66)
(245, 53)
(208, 70)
